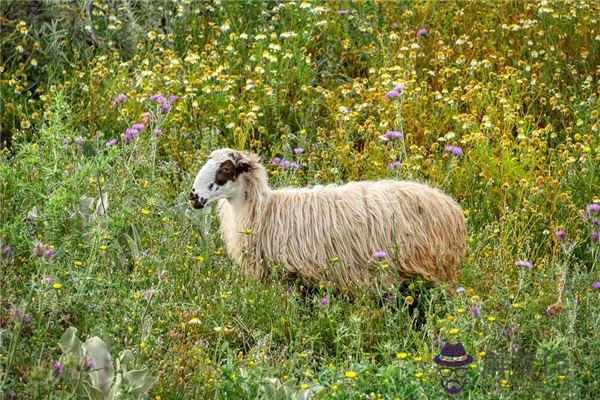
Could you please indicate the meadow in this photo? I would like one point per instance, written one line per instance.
(109, 108)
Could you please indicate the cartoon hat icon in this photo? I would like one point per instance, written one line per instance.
(453, 355)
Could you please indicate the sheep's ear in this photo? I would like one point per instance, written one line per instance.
(242, 163)
(242, 166)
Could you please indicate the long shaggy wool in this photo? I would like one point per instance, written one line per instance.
(330, 233)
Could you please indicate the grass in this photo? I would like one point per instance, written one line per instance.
(513, 84)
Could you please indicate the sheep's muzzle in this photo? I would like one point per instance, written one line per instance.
(197, 202)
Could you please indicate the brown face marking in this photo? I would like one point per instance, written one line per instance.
(225, 173)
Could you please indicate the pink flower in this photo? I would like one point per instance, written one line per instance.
(342, 12)
(120, 98)
(522, 263)
(421, 32)
(379, 255)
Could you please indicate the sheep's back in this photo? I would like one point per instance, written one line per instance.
(421, 229)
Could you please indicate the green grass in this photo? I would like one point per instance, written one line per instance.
(513, 84)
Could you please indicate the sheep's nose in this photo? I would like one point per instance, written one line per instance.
(197, 202)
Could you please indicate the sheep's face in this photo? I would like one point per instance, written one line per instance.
(218, 178)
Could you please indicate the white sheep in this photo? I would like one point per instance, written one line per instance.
(329, 234)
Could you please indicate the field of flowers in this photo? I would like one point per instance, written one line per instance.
(108, 109)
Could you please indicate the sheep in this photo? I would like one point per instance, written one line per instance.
(332, 234)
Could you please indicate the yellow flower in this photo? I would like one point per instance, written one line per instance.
(475, 298)
(350, 374)
(334, 387)
(419, 374)
(145, 212)
(304, 386)
(142, 345)
(453, 331)
(401, 356)
(57, 286)
(194, 321)
(409, 300)
(491, 319)
(78, 263)
(460, 310)
(248, 231)
(334, 259)
(481, 354)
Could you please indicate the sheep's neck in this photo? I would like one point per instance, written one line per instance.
(247, 204)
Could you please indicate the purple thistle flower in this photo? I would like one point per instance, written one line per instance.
(549, 311)
(276, 160)
(560, 234)
(158, 132)
(593, 208)
(284, 164)
(393, 164)
(138, 127)
(342, 12)
(26, 319)
(120, 98)
(165, 107)
(391, 297)
(522, 263)
(391, 94)
(394, 135)
(379, 255)
(515, 347)
(49, 253)
(475, 310)
(507, 332)
(111, 142)
(596, 285)
(324, 301)
(7, 250)
(457, 151)
(595, 236)
(173, 97)
(399, 88)
(57, 369)
(131, 131)
(128, 136)
(421, 32)
(158, 97)
(298, 150)
(295, 166)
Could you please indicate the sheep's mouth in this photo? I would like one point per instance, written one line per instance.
(197, 201)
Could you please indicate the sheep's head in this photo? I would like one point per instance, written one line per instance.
(218, 178)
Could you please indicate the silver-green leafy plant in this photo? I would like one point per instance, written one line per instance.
(95, 375)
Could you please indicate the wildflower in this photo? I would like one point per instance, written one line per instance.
(173, 98)
(276, 160)
(149, 294)
(560, 234)
(457, 151)
(596, 285)
(475, 310)
(342, 12)
(57, 286)
(395, 92)
(194, 321)
(38, 249)
(394, 135)
(522, 263)
(350, 374)
(138, 127)
(401, 356)
(596, 237)
(298, 150)
(421, 32)
(379, 254)
(49, 253)
(391, 297)
(165, 107)
(120, 98)
(593, 208)
(460, 289)
(163, 274)
(57, 369)
(549, 311)
(78, 142)
(507, 332)
(453, 331)
(158, 132)
(393, 164)
(409, 300)
(295, 166)
(145, 117)
(324, 301)
(48, 279)
(491, 319)
(111, 142)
